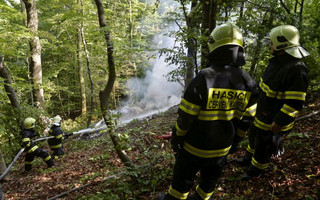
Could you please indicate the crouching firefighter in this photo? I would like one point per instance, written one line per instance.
(55, 143)
(282, 92)
(31, 149)
(209, 114)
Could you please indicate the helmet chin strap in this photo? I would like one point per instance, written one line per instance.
(56, 124)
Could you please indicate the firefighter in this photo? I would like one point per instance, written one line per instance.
(31, 149)
(282, 92)
(209, 115)
(55, 143)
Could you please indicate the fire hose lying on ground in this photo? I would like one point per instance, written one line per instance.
(83, 131)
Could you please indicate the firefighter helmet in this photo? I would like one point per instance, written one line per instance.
(57, 119)
(226, 34)
(29, 123)
(286, 37)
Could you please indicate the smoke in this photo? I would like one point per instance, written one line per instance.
(153, 93)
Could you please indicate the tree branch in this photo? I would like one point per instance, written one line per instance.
(83, 186)
(285, 7)
(308, 115)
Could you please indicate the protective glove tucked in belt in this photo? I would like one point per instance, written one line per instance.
(278, 148)
(239, 136)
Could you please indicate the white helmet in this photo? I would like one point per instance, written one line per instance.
(286, 37)
(56, 120)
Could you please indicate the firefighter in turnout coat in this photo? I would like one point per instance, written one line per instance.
(55, 143)
(31, 149)
(210, 113)
(282, 92)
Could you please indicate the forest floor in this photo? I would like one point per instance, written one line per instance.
(293, 175)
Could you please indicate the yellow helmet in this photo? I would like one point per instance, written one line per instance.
(29, 123)
(286, 37)
(226, 34)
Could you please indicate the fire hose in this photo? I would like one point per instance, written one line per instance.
(166, 136)
(87, 130)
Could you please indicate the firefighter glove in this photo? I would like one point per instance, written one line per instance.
(235, 143)
(176, 141)
(66, 135)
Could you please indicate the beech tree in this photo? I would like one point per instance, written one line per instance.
(35, 49)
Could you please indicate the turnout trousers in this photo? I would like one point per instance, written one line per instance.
(38, 152)
(185, 171)
(57, 152)
(261, 146)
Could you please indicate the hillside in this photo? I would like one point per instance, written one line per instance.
(294, 175)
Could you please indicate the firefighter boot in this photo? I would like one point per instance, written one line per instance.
(196, 196)
(161, 197)
(165, 197)
(50, 163)
(252, 171)
(27, 167)
(245, 160)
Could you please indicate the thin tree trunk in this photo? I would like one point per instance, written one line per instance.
(86, 51)
(81, 76)
(104, 94)
(191, 45)
(301, 14)
(209, 13)
(213, 15)
(3, 165)
(89, 73)
(23, 9)
(130, 22)
(7, 85)
(35, 48)
(256, 54)
(74, 66)
(241, 9)
(1, 193)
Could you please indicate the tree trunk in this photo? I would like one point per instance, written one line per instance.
(301, 14)
(1, 193)
(7, 85)
(89, 73)
(130, 22)
(267, 22)
(86, 51)
(191, 65)
(35, 48)
(104, 94)
(23, 9)
(81, 76)
(209, 13)
(3, 166)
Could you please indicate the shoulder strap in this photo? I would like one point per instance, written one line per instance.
(247, 77)
(210, 75)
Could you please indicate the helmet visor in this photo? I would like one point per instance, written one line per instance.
(297, 52)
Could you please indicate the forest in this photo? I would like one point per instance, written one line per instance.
(125, 64)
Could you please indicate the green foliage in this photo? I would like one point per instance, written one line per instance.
(298, 135)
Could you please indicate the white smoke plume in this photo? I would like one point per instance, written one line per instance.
(153, 93)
